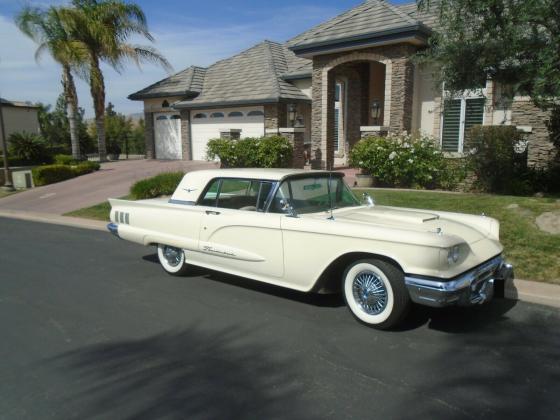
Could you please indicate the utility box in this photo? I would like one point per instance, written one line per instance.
(22, 178)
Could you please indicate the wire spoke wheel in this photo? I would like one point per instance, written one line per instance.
(370, 292)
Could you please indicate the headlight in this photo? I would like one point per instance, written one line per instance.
(453, 255)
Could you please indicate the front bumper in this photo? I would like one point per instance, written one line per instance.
(473, 287)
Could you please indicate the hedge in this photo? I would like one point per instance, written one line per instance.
(50, 174)
(157, 186)
(264, 152)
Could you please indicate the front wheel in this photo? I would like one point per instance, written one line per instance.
(172, 260)
(375, 293)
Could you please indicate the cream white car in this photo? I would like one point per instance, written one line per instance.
(306, 230)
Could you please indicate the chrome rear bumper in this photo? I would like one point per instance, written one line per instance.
(471, 288)
(114, 229)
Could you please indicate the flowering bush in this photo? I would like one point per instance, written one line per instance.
(404, 161)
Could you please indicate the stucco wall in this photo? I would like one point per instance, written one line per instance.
(304, 85)
(20, 119)
(155, 105)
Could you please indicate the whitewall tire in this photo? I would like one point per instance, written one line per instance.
(375, 293)
(172, 260)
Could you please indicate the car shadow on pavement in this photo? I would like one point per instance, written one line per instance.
(323, 300)
(191, 373)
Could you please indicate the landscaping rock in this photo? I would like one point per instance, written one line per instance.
(549, 222)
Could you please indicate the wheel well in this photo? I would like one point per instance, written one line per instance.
(330, 280)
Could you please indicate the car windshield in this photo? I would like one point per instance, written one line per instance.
(313, 194)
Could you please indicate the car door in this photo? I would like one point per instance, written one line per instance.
(236, 234)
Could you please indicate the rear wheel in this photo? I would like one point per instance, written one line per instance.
(375, 293)
(172, 260)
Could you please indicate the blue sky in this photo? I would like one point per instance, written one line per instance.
(187, 32)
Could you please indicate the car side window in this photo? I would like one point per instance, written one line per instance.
(238, 194)
(211, 197)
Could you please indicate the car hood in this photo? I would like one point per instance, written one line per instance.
(469, 228)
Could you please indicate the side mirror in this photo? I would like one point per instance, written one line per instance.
(288, 208)
(368, 200)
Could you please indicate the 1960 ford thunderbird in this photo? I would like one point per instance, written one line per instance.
(306, 230)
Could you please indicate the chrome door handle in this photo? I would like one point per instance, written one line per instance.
(213, 213)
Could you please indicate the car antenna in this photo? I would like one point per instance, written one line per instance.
(329, 192)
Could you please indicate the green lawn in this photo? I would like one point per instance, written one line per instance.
(6, 193)
(535, 254)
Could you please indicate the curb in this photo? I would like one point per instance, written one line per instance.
(517, 289)
(54, 219)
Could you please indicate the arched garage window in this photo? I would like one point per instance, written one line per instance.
(255, 114)
(175, 117)
(161, 118)
(235, 114)
(200, 116)
(217, 115)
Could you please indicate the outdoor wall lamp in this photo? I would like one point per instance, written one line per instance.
(375, 110)
(292, 113)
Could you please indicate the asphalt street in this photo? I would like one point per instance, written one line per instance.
(92, 328)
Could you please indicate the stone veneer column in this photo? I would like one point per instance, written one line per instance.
(296, 136)
(322, 117)
(275, 116)
(525, 114)
(402, 91)
(149, 135)
(186, 134)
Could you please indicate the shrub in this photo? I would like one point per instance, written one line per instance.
(85, 167)
(494, 161)
(49, 174)
(64, 160)
(162, 184)
(28, 147)
(264, 152)
(405, 161)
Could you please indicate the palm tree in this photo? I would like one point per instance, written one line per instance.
(104, 27)
(47, 28)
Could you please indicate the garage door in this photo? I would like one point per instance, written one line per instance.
(168, 136)
(207, 124)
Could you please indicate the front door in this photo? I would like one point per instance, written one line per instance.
(236, 234)
(167, 130)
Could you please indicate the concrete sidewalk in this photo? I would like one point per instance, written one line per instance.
(112, 181)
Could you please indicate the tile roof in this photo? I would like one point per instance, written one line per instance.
(185, 83)
(252, 76)
(18, 104)
(370, 17)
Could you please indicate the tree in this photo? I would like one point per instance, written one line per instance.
(105, 27)
(55, 127)
(512, 42)
(49, 30)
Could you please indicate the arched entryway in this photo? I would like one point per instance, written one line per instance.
(354, 91)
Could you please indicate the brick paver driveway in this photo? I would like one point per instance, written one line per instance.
(112, 181)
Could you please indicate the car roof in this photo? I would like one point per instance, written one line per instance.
(194, 183)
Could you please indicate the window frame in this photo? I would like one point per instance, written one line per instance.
(266, 203)
(217, 115)
(467, 95)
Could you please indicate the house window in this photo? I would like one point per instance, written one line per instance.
(255, 114)
(459, 116)
(200, 116)
(235, 114)
(338, 133)
(217, 115)
(165, 104)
